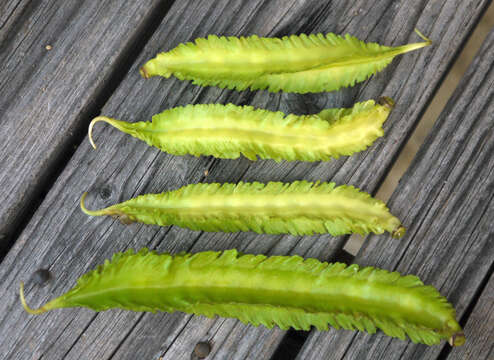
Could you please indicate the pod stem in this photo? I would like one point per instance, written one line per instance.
(410, 47)
(94, 121)
(86, 211)
(26, 307)
(423, 37)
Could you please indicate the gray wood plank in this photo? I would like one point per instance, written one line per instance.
(61, 238)
(47, 95)
(446, 198)
(10, 12)
(479, 329)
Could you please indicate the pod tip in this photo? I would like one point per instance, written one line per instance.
(86, 211)
(386, 101)
(143, 72)
(90, 132)
(105, 119)
(398, 232)
(457, 339)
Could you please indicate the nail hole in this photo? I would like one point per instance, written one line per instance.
(202, 349)
(105, 192)
(41, 277)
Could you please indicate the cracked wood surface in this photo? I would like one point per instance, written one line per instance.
(48, 95)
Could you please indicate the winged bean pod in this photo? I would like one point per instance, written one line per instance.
(286, 291)
(300, 64)
(227, 131)
(298, 208)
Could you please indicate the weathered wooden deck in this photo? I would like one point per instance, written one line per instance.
(48, 97)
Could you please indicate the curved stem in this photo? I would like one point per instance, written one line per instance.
(94, 121)
(26, 307)
(85, 210)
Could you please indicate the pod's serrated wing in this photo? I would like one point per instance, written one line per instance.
(283, 291)
(298, 208)
(300, 64)
(227, 131)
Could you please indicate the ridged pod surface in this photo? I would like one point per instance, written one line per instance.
(298, 208)
(296, 63)
(286, 291)
(227, 131)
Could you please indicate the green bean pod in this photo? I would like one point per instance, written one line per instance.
(298, 208)
(296, 63)
(286, 291)
(227, 131)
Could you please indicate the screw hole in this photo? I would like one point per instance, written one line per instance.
(202, 349)
(42, 277)
(105, 192)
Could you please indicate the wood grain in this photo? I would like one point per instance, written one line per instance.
(447, 199)
(479, 329)
(61, 238)
(48, 93)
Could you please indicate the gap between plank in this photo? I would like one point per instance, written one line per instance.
(123, 63)
(439, 100)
